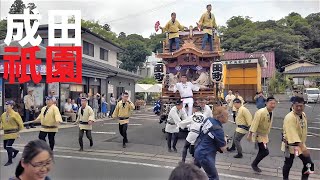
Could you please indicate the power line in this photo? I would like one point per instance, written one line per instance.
(144, 12)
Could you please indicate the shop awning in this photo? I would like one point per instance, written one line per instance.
(156, 88)
(142, 87)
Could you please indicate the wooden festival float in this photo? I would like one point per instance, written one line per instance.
(202, 67)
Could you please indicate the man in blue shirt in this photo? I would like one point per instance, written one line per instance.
(211, 140)
(260, 100)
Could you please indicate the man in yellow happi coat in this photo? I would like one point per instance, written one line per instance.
(11, 123)
(50, 119)
(208, 24)
(260, 129)
(85, 120)
(243, 122)
(173, 27)
(294, 140)
(122, 112)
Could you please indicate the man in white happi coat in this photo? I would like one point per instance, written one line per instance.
(194, 123)
(186, 92)
(205, 109)
(175, 116)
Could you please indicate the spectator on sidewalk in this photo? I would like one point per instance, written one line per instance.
(95, 106)
(68, 110)
(104, 106)
(75, 106)
(29, 104)
(79, 99)
(113, 103)
(260, 100)
(229, 98)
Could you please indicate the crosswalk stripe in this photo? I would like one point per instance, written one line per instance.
(98, 132)
(118, 123)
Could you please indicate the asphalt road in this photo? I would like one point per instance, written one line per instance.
(146, 156)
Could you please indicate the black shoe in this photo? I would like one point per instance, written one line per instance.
(124, 146)
(27, 127)
(255, 168)
(81, 149)
(175, 150)
(169, 150)
(230, 149)
(15, 153)
(238, 156)
(8, 163)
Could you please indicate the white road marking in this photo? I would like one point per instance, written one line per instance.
(313, 128)
(97, 132)
(315, 149)
(316, 122)
(118, 123)
(140, 164)
(308, 105)
(309, 135)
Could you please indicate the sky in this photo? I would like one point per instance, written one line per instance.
(139, 16)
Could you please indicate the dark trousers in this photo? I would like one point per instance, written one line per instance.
(187, 146)
(237, 142)
(176, 41)
(112, 108)
(262, 153)
(288, 164)
(234, 114)
(170, 137)
(29, 117)
(207, 38)
(88, 134)
(208, 163)
(7, 145)
(51, 137)
(123, 131)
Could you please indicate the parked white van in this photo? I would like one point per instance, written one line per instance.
(311, 95)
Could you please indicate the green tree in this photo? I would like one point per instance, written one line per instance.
(95, 27)
(3, 29)
(148, 80)
(31, 6)
(134, 55)
(122, 35)
(107, 27)
(17, 7)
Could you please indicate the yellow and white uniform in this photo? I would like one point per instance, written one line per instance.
(261, 125)
(243, 118)
(173, 28)
(207, 23)
(50, 118)
(123, 111)
(294, 131)
(84, 117)
(11, 123)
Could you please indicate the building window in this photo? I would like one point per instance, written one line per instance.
(299, 81)
(104, 54)
(88, 48)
